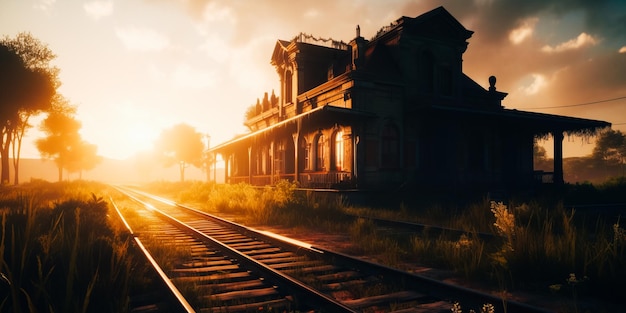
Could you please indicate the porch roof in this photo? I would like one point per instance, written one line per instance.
(540, 123)
(290, 121)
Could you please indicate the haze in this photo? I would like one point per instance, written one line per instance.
(134, 68)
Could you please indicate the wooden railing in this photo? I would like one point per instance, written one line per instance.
(542, 177)
(306, 180)
(325, 180)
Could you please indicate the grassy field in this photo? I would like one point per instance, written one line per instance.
(543, 247)
(61, 250)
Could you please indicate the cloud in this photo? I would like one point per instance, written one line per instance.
(98, 9)
(537, 83)
(216, 48)
(214, 12)
(525, 30)
(581, 41)
(622, 49)
(44, 5)
(142, 39)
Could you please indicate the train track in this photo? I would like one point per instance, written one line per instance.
(235, 268)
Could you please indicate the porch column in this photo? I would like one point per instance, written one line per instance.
(272, 163)
(355, 144)
(215, 168)
(296, 159)
(226, 168)
(250, 165)
(558, 157)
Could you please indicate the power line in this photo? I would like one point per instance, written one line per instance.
(577, 105)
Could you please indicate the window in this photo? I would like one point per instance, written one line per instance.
(288, 87)
(280, 157)
(339, 151)
(320, 153)
(307, 154)
(265, 156)
(389, 147)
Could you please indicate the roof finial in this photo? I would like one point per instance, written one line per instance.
(492, 83)
(358, 31)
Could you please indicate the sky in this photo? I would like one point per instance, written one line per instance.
(136, 67)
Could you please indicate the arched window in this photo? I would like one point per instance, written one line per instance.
(389, 147)
(339, 151)
(288, 86)
(320, 153)
(306, 151)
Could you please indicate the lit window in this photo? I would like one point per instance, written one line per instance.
(339, 151)
(320, 152)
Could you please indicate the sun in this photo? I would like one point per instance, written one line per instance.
(141, 136)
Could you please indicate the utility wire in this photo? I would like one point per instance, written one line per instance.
(576, 105)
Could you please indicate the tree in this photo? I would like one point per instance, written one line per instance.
(64, 144)
(83, 156)
(27, 87)
(540, 158)
(180, 144)
(610, 150)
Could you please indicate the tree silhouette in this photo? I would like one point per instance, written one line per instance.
(180, 144)
(64, 144)
(610, 150)
(27, 87)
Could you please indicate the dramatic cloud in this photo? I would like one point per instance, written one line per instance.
(525, 30)
(622, 49)
(581, 41)
(141, 39)
(98, 9)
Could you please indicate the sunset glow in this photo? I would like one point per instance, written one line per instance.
(134, 68)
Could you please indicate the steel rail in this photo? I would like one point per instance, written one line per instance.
(173, 291)
(436, 288)
(303, 292)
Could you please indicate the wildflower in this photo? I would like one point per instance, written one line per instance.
(619, 234)
(505, 221)
(488, 308)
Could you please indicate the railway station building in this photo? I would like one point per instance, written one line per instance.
(392, 112)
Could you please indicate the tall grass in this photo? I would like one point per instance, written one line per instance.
(540, 242)
(58, 252)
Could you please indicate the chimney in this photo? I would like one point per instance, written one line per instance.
(357, 47)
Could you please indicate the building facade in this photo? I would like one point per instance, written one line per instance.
(395, 111)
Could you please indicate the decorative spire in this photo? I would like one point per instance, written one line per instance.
(492, 83)
(358, 31)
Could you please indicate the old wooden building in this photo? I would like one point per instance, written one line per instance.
(395, 111)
